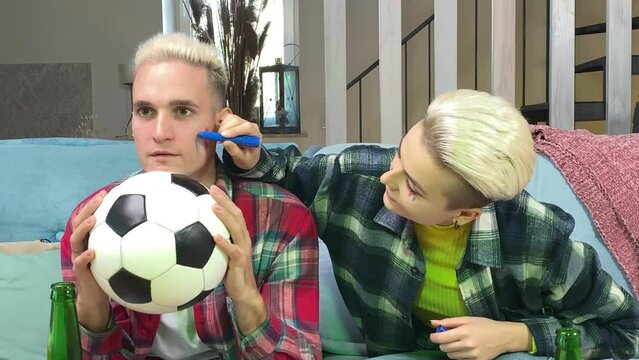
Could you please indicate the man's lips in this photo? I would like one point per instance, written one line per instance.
(162, 153)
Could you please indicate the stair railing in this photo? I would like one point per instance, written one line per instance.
(426, 24)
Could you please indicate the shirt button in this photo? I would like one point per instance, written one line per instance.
(414, 271)
(405, 316)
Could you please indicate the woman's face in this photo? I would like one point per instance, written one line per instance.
(416, 183)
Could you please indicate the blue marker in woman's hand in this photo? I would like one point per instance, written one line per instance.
(441, 328)
(242, 140)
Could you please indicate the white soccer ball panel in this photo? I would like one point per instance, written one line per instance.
(164, 291)
(208, 218)
(215, 269)
(173, 207)
(152, 308)
(104, 285)
(107, 246)
(148, 250)
(146, 183)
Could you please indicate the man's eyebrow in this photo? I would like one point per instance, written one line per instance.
(141, 103)
(173, 103)
(183, 103)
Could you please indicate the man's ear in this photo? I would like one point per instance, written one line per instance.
(467, 215)
(220, 115)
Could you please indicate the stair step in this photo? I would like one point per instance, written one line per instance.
(584, 111)
(601, 28)
(599, 64)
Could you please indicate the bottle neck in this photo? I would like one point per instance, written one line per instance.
(64, 333)
(568, 354)
(568, 344)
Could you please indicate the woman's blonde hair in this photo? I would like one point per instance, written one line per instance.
(167, 47)
(485, 141)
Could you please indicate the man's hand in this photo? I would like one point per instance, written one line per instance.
(239, 280)
(92, 303)
(480, 338)
(243, 157)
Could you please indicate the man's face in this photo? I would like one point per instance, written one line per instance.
(172, 102)
(416, 184)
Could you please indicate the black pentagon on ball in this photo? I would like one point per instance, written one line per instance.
(189, 184)
(127, 212)
(193, 246)
(197, 299)
(131, 288)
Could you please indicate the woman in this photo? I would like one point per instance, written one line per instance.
(441, 232)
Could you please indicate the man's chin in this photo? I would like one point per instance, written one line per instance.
(162, 167)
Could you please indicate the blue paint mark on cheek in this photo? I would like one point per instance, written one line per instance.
(198, 144)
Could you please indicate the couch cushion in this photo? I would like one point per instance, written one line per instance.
(338, 331)
(46, 178)
(27, 270)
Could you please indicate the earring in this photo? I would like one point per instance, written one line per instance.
(455, 224)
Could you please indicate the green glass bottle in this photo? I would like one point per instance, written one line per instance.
(64, 333)
(568, 344)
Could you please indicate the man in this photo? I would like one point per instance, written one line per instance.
(440, 232)
(268, 304)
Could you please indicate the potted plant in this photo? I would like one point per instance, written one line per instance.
(235, 34)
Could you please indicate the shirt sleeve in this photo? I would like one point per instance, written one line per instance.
(287, 168)
(579, 292)
(291, 293)
(315, 179)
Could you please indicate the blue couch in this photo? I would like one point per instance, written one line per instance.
(43, 179)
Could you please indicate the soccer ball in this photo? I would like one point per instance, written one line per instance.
(153, 243)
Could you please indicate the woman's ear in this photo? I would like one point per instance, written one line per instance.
(220, 115)
(467, 215)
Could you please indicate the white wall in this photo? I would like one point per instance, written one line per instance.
(103, 33)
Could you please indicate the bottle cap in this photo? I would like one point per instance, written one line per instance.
(568, 338)
(568, 331)
(63, 290)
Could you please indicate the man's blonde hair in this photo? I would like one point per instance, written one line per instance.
(485, 141)
(167, 47)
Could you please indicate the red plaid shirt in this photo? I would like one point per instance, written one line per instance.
(285, 264)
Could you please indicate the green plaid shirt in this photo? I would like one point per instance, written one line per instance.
(519, 264)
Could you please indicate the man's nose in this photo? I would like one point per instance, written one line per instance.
(163, 128)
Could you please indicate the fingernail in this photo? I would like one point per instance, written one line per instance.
(223, 133)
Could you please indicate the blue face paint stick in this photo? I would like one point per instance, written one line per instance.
(242, 140)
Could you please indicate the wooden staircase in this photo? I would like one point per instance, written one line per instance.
(584, 110)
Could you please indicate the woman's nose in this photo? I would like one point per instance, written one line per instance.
(391, 178)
